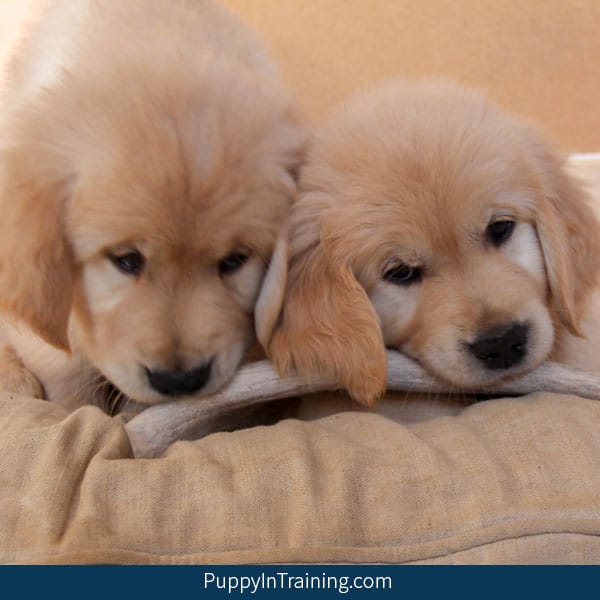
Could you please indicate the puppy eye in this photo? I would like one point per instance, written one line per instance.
(232, 263)
(500, 231)
(403, 274)
(130, 263)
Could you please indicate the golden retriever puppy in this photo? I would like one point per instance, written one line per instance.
(146, 166)
(432, 222)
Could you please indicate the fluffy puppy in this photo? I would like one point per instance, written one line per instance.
(434, 223)
(146, 166)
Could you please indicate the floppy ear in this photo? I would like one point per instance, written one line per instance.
(270, 299)
(569, 235)
(35, 261)
(322, 323)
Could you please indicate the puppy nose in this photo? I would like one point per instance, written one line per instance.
(501, 348)
(179, 382)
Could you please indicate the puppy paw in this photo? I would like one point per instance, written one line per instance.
(20, 381)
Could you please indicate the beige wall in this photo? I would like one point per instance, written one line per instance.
(540, 58)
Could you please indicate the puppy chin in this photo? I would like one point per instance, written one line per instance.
(454, 364)
(133, 382)
(462, 372)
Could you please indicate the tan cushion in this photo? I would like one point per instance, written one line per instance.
(514, 480)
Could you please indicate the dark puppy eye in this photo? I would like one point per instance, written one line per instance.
(500, 231)
(130, 263)
(403, 274)
(232, 263)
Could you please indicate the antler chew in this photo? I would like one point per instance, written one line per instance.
(153, 430)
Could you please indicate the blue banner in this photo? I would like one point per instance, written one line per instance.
(293, 581)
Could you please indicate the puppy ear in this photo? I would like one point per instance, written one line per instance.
(568, 231)
(324, 324)
(35, 261)
(270, 299)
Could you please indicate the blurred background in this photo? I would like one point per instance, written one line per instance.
(539, 58)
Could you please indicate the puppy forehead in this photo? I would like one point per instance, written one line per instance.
(428, 184)
(171, 219)
(415, 219)
(432, 135)
(176, 171)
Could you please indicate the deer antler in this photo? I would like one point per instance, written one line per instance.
(153, 430)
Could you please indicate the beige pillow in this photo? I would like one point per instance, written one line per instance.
(513, 480)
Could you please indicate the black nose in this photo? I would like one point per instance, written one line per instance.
(501, 348)
(179, 382)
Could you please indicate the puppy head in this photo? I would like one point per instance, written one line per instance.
(432, 222)
(136, 226)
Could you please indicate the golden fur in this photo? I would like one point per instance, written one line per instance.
(156, 127)
(413, 180)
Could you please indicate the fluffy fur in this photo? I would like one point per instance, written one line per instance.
(397, 240)
(148, 128)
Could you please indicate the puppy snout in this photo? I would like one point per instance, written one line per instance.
(179, 382)
(501, 348)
